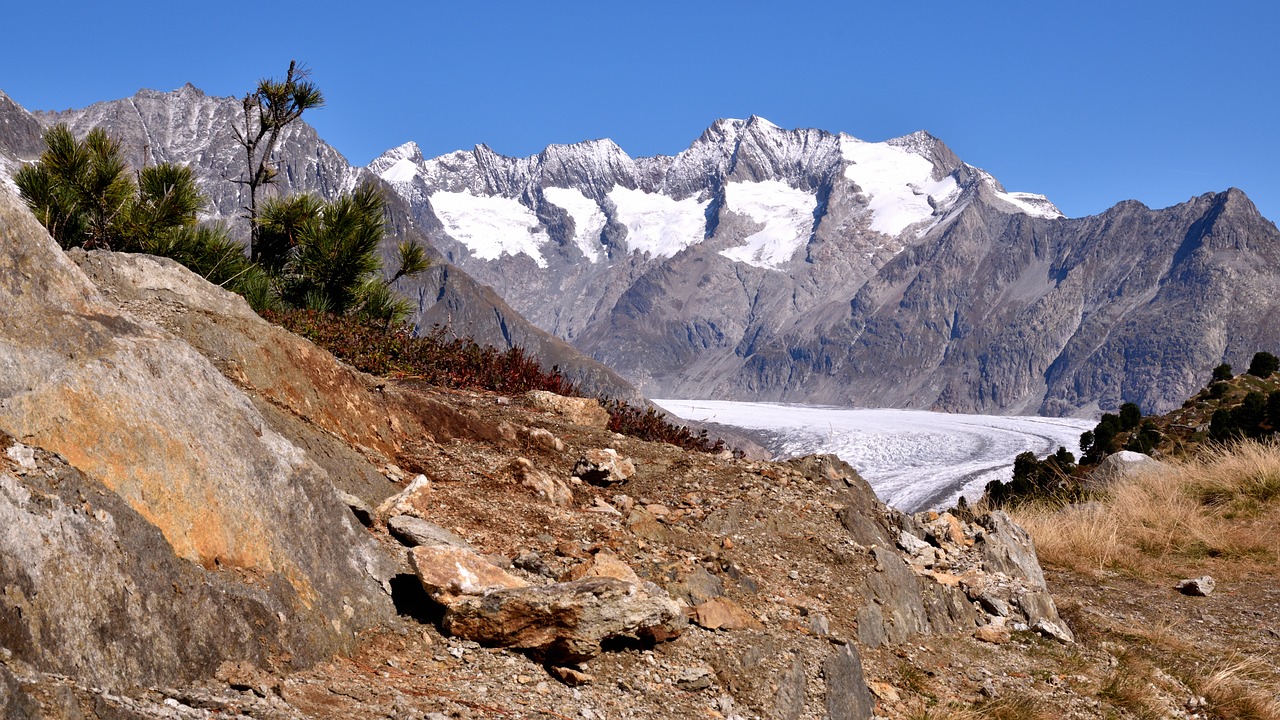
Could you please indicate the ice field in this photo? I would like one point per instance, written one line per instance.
(914, 460)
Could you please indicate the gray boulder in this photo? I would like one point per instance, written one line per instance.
(412, 532)
(566, 622)
(848, 697)
(1117, 466)
(1008, 549)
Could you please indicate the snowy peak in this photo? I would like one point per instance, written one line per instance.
(899, 182)
(751, 186)
(399, 164)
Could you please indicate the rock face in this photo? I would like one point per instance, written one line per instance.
(173, 485)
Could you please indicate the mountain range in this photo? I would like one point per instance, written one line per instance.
(789, 265)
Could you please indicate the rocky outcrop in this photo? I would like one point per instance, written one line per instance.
(563, 622)
(160, 480)
(566, 622)
(954, 576)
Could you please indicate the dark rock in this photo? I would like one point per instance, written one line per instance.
(15, 703)
(848, 697)
(788, 702)
(696, 586)
(693, 679)
(894, 607)
(413, 531)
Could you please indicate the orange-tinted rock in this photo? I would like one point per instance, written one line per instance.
(447, 573)
(579, 411)
(565, 622)
(724, 614)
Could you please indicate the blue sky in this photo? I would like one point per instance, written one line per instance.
(1088, 102)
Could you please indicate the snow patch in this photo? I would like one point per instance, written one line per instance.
(491, 227)
(1031, 204)
(897, 182)
(401, 171)
(657, 224)
(785, 212)
(588, 219)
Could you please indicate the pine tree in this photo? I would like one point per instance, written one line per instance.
(325, 255)
(267, 111)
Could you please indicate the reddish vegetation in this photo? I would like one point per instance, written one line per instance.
(464, 364)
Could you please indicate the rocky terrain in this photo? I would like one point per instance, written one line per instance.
(795, 265)
(206, 516)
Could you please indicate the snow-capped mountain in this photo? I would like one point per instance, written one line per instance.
(656, 207)
(762, 263)
(770, 264)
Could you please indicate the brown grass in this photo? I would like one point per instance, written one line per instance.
(1018, 707)
(1210, 507)
(1239, 690)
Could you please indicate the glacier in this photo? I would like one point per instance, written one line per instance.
(914, 460)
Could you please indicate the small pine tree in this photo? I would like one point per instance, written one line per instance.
(267, 111)
(1222, 373)
(1130, 416)
(325, 255)
(1264, 364)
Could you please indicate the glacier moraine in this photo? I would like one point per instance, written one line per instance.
(915, 460)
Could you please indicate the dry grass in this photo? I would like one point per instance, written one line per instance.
(1187, 510)
(1240, 690)
(1011, 708)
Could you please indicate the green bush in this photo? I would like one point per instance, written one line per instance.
(1263, 365)
(1035, 479)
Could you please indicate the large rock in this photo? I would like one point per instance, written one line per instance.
(566, 622)
(604, 467)
(190, 479)
(1007, 548)
(848, 697)
(579, 411)
(448, 573)
(1119, 466)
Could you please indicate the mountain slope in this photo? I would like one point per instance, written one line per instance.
(762, 263)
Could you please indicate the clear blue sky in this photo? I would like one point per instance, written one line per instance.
(1088, 102)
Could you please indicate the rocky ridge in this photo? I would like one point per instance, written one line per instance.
(798, 265)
